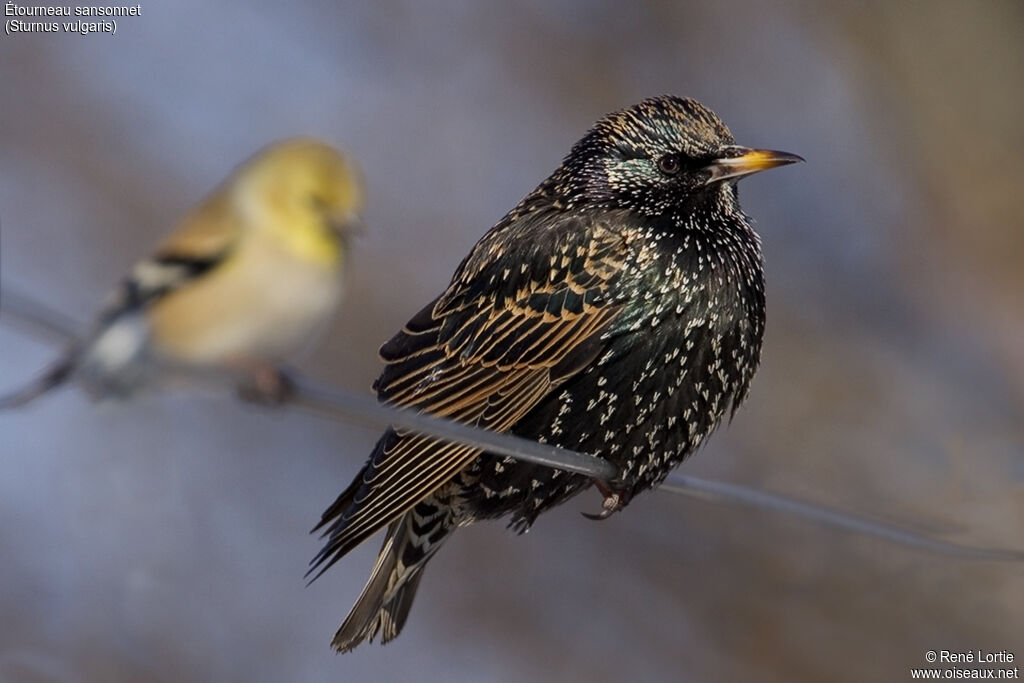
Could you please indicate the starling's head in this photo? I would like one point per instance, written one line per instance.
(660, 155)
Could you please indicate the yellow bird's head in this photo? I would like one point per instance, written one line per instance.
(304, 193)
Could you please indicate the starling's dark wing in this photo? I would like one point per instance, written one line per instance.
(525, 311)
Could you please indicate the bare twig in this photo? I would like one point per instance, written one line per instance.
(28, 313)
(724, 492)
(331, 401)
(322, 399)
(37, 318)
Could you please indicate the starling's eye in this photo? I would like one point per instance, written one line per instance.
(669, 164)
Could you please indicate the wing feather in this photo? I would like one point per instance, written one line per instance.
(200, 243)
(525, 310)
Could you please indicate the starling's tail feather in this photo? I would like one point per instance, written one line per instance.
(384, 604)
(54, 377)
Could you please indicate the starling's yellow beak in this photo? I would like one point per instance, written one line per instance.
(737, 162)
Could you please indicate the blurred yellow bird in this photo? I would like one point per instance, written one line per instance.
(244, 281)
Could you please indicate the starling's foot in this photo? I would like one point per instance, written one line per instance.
(269, 385)
(614, 500)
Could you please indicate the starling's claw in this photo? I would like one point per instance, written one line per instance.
(603, 514)
(614, 500)
(268, 386)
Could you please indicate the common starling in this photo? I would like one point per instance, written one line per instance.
(618, 310)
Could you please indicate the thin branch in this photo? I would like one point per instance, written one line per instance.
(37, 318)
(328, 400)
(332, 402)
(724, 492)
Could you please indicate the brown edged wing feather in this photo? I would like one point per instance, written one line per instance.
(525, 310)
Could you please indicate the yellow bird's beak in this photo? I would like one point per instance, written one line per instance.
(347, 224)
(737, 162)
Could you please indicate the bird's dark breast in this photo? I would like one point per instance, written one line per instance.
(680, 354)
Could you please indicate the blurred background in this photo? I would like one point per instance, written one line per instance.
(165, 540)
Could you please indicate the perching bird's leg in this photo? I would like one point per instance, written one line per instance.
(615, 499)
(268, 385)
